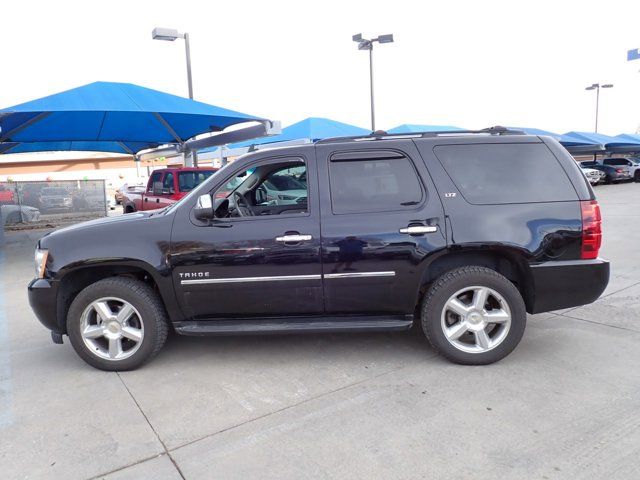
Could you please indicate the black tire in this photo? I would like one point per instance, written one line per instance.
(455, 280)
(152, 316)
(636, 176)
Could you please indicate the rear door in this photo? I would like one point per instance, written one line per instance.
(381, 218)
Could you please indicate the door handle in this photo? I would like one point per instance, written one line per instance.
(157, 200)
(294, 238)
(418, 229)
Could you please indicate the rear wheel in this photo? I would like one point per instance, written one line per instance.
(636, 176)
(117, 324)
(473, 315)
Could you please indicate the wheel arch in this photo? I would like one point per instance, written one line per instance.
(509, 262)
(74, 280)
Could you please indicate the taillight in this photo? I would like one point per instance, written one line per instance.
(591, 229)
(619, 170)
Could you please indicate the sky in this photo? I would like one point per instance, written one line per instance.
(471, 64)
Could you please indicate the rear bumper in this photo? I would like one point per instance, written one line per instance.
(568, 284)
(42, 298)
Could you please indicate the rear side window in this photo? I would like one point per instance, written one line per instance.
(616, 161)
(506, 173)
(373, 184)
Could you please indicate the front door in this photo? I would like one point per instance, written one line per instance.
(262, 257)
(381, 219)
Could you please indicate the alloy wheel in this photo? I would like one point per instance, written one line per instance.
(476, 319)
(111, 328)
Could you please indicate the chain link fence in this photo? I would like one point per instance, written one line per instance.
(36, 204)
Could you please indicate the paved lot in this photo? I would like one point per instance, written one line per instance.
(564, 405)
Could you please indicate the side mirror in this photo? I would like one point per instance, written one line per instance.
(204, 208)
(157, 188)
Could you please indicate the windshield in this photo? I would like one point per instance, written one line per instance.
(190, 180)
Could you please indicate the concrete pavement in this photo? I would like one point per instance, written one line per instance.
(563, 405)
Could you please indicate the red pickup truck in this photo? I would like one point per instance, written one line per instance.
(165, 187)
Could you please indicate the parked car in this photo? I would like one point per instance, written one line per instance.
(612, 174)
(12, 214)
(594, 176)
(122, 190)
(632, 164)
(456, 233)
(30, 193)
(165, 187)
(6, 195)
(55, 198)
(283, 189)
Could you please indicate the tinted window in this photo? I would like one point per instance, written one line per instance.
(616, 161)
(506, 173)
(374, 185)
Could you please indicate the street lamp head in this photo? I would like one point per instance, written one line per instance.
(365, 45)
(592, 87)
(607, 85)
(385, 38)
(357, 38)
(169, 34)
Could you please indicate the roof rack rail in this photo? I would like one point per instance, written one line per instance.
(382, 135)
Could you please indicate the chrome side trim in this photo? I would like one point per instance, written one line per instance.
(202, 281)
(359, 274)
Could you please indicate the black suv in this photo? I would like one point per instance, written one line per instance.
(461, 232)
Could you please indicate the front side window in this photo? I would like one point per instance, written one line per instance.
(374, 185)
(272, 188)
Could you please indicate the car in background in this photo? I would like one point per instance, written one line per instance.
(122, 190)
(594, 176)
(55, 198)
(612, 174)
(166, 187)
(12, 214)
(631, 163)
(283, 189)
(6, 196)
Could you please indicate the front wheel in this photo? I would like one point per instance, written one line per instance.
(473, 316)
(117, 324)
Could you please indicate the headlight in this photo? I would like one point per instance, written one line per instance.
(41, 262)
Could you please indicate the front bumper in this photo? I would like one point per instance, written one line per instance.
(565, 284)
(43, 296)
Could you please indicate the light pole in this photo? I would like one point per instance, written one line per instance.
(597, 87)
(366, 44)
(170, 34)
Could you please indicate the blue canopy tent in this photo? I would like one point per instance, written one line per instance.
(414, 128)
(119, 117)
(624, 143)
(536, 131)
(584, 142)
(305, 131)
(103, 146)
(311, 129)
